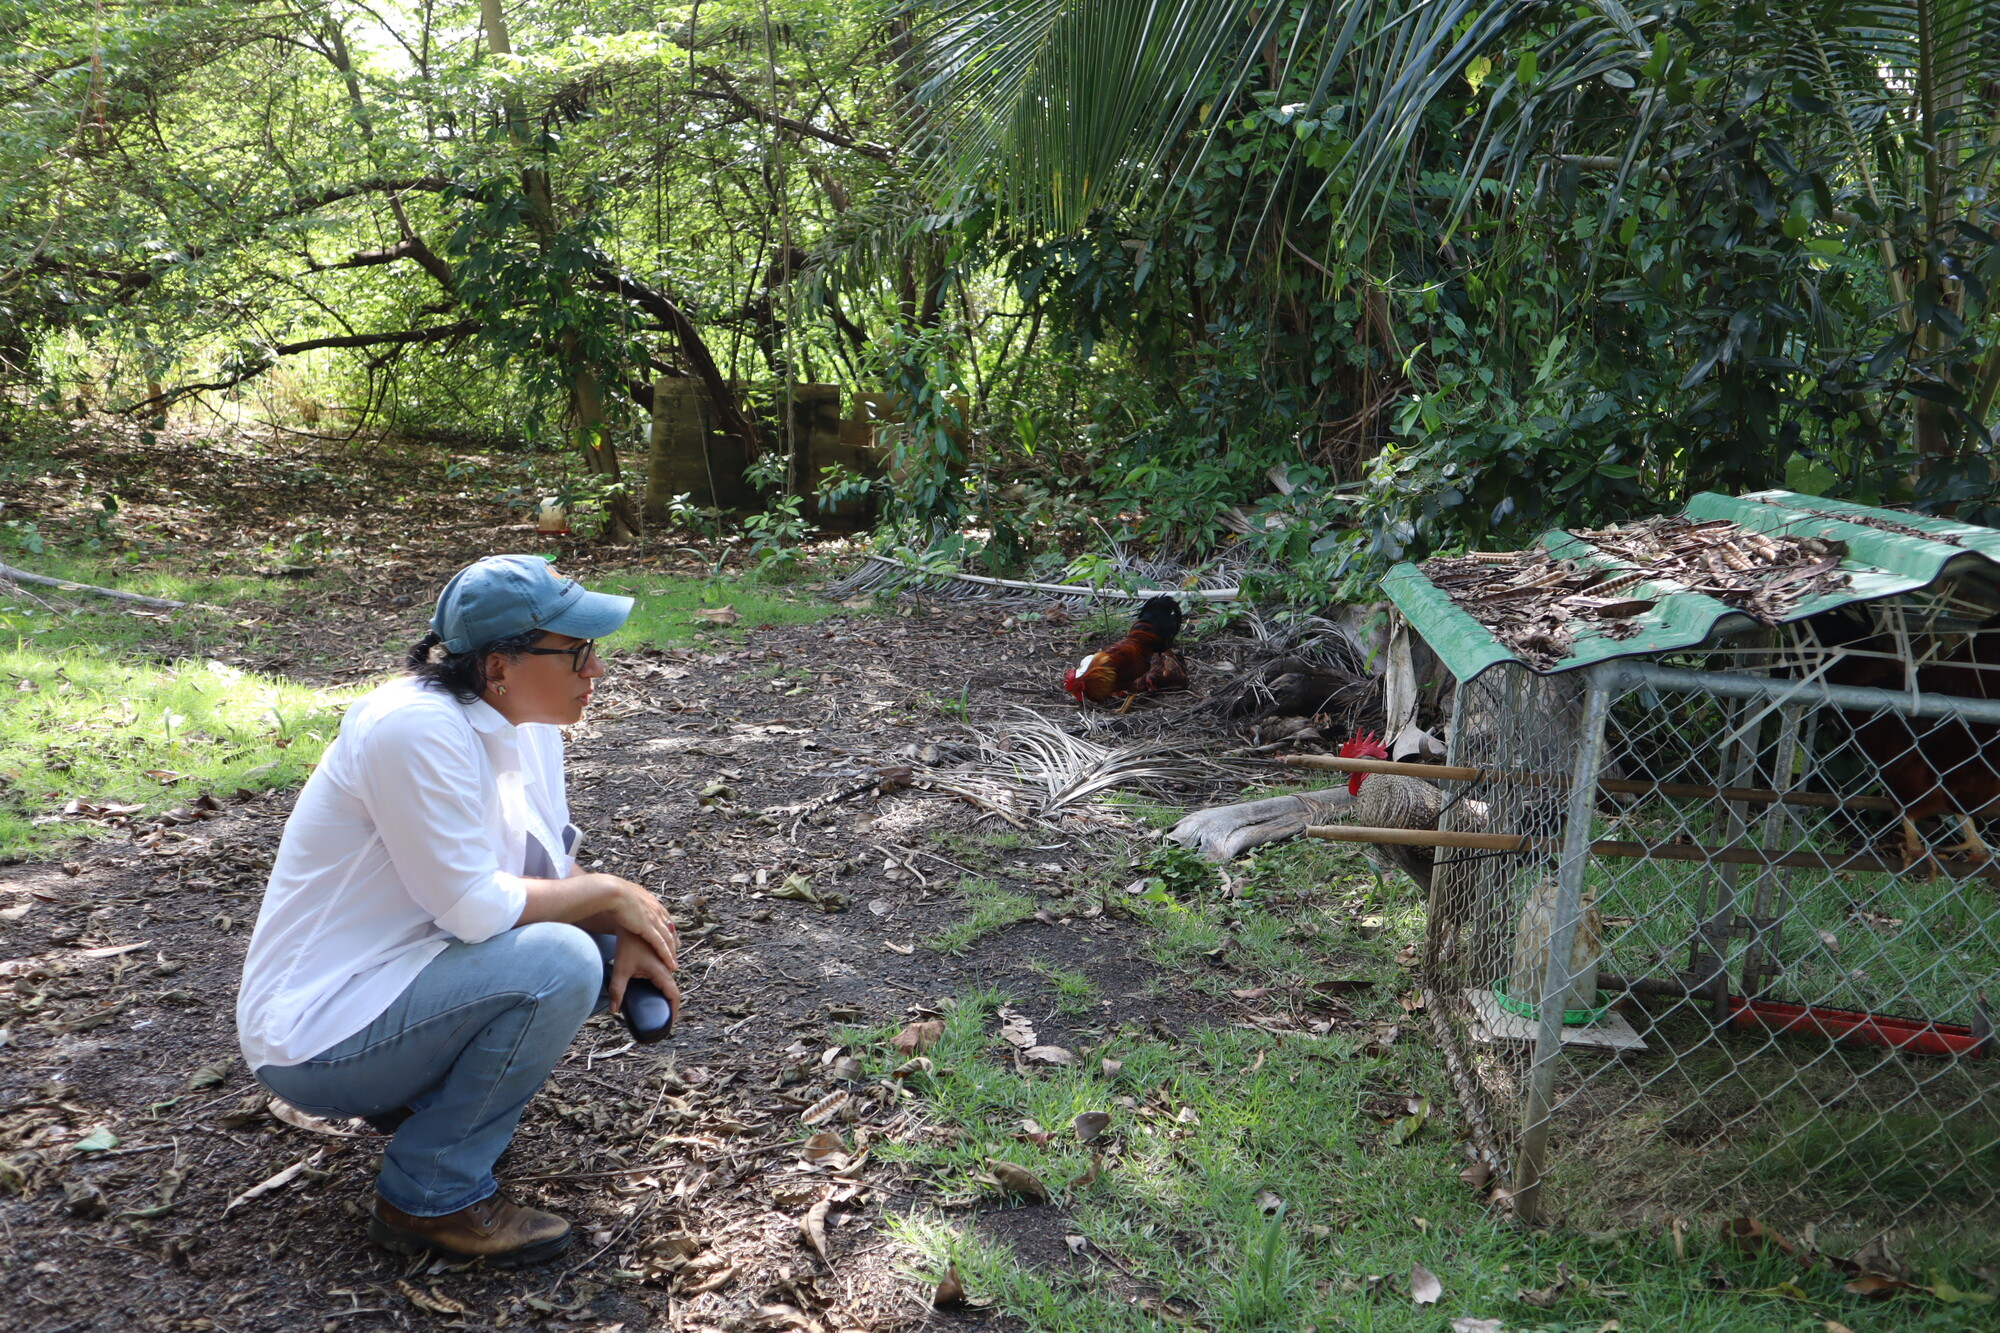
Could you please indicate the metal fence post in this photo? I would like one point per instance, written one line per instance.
(1556, 985)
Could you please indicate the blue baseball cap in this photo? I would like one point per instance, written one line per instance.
(504, 595)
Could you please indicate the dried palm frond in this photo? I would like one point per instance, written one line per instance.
(1054, 770)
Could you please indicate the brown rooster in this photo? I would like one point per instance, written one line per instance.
(1931, 766)
(1388, 800)
(1142, 661)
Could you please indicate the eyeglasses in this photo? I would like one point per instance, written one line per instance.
(581, 656)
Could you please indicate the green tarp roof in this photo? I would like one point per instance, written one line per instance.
(1879, 563)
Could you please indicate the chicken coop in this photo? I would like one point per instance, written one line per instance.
(1712, 926)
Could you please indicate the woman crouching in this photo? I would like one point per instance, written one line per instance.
(427, 947)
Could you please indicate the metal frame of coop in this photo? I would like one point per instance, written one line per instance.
(1789, 1022)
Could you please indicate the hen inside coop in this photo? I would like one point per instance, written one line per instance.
(1713, 923)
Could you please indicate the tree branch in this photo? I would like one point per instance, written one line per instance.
(412, 248)
(725, 91)
(270, 356)
(721, 395)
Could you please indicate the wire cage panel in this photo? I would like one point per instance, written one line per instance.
(1751, 881)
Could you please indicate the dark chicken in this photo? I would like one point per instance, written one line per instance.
(1143, 661)
(1389, 800)
(1930, 766)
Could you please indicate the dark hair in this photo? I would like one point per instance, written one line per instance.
(463, 675)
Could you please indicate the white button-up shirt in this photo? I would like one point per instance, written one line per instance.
(412, 832)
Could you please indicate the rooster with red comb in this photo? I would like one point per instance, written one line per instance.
(1389, 800)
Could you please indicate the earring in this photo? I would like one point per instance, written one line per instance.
(499, 689)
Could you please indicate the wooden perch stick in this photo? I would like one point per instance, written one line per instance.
(9, 573)
(1437, 772)
(1659, 851)
(1622, 786)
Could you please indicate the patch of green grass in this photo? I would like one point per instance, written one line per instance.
(85, 721)
(959, 709)
(664, 606)
(105, 706)
(1254, 1186)
(991, 908)
(1155, 813)
(1075, 992)
(83, 617)
(981, 851)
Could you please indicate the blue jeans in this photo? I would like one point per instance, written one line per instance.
(464, 1047)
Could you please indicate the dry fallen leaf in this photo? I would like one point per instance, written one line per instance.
(717, 615)
(85, 1200)
(1410, 1125)
(1268, 1203)
(921, 1065)
(1017, 1030)
(1425, 1289)
(431, 1302)
(1546, 1297)
(824, 1145)
(1877, 1256)
(814, 1227)
(281, 1109)
(1469, 1325)
(950, 1291)
(798, 1191)
(1112, 1068)
(1032, 1132)
(276, 1182)
(720, 1278)
(1089, 1125)
(112, 951)
(905, 949)
(209, 1076)
(1752, 1237)
(826, 1108)
(1015, 1179)
(796, 888)
(918, 1037)
(1052, 1055)
(1477, 1175)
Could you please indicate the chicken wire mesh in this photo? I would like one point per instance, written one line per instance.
(1773, 984)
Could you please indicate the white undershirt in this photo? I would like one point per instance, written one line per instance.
(412, 832)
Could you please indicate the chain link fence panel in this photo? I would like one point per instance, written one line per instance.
(1750, 880)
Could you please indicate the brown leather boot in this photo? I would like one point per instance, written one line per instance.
(504, 1234)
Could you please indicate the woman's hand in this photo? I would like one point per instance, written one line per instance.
(636, 912)
(604, 904)
(636, 958)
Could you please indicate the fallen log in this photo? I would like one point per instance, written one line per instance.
(12, 575)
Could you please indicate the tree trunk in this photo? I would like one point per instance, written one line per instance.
(600, 453)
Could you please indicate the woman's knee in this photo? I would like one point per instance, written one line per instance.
(558, 959)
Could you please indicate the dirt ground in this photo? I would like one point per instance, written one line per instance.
(684, 1165)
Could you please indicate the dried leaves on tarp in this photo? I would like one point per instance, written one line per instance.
(1532, 602)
